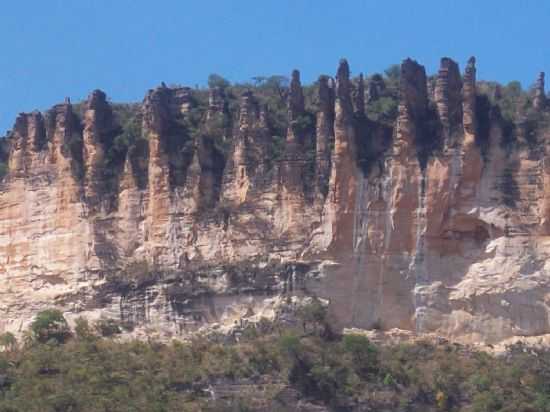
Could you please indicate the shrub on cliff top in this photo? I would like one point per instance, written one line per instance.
(215, 80)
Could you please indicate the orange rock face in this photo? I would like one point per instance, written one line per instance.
(438, 224)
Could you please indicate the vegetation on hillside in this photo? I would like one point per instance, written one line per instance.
(265, 367)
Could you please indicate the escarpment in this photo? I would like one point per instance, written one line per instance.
(404, 201)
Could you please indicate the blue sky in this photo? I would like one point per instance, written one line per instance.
(52, 49)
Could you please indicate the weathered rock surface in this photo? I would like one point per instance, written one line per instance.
(539, 100)
(440, 225)
(324, 135)
(448, 97)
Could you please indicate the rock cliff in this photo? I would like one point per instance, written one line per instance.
(197, 209)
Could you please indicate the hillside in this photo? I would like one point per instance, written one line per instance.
(271, 367)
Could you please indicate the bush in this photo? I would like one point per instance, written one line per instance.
(108, 327)
(50, 326)
(364, 355)
(542, 402)
(3, 169)
(313, 315)
(383, 109)
(393, 72)
(83, 329)
(215, 80)
(8, 341)
(346, 374)
(389, 380)
(486, 402)
(289, 344)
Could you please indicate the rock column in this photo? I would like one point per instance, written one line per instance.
(324, 134)
(448, 98)
(98, 123)
(539, 100)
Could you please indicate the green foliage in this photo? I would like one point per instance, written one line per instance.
(215, 80)
(108, 327)
(73, 147)
(304, 124)
(388, 380)
(276, 83)
(3, 169)
(313, 316)
(272, 92)
(363, 354)
(94, 373)
(50, 326)
(509, 102)
(8, 341)
(393, 72)
(126, 139)
(278, 146)
(542, 402)
(290, 344)
(483, 124)
(512, 107)
(83, 330)
(486, 402)
(428, 136)
(384, 108)
(513, 89)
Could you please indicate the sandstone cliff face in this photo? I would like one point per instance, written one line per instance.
(324, 133)
(436, 223)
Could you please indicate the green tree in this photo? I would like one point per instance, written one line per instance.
(486, 402)
(50, 326)
(364, 355)
(3, 169)
(215, 80)
(314, 316)
(273, 84)
(513, 89)
(83, 330)
(8, 341)
(393, 72)
(108, 327)
(383, 109)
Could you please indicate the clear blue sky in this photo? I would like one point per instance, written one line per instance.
(52, 49)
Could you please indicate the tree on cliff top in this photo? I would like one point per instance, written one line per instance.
(215, 80)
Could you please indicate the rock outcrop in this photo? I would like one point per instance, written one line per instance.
(97, 133)
(29, 137)
(539, 99)
(245, 158)
(217, 213)
(359, 97)
(342, 183)
(448, 97)
(324, 134)
(297, 160)
(469, 96)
